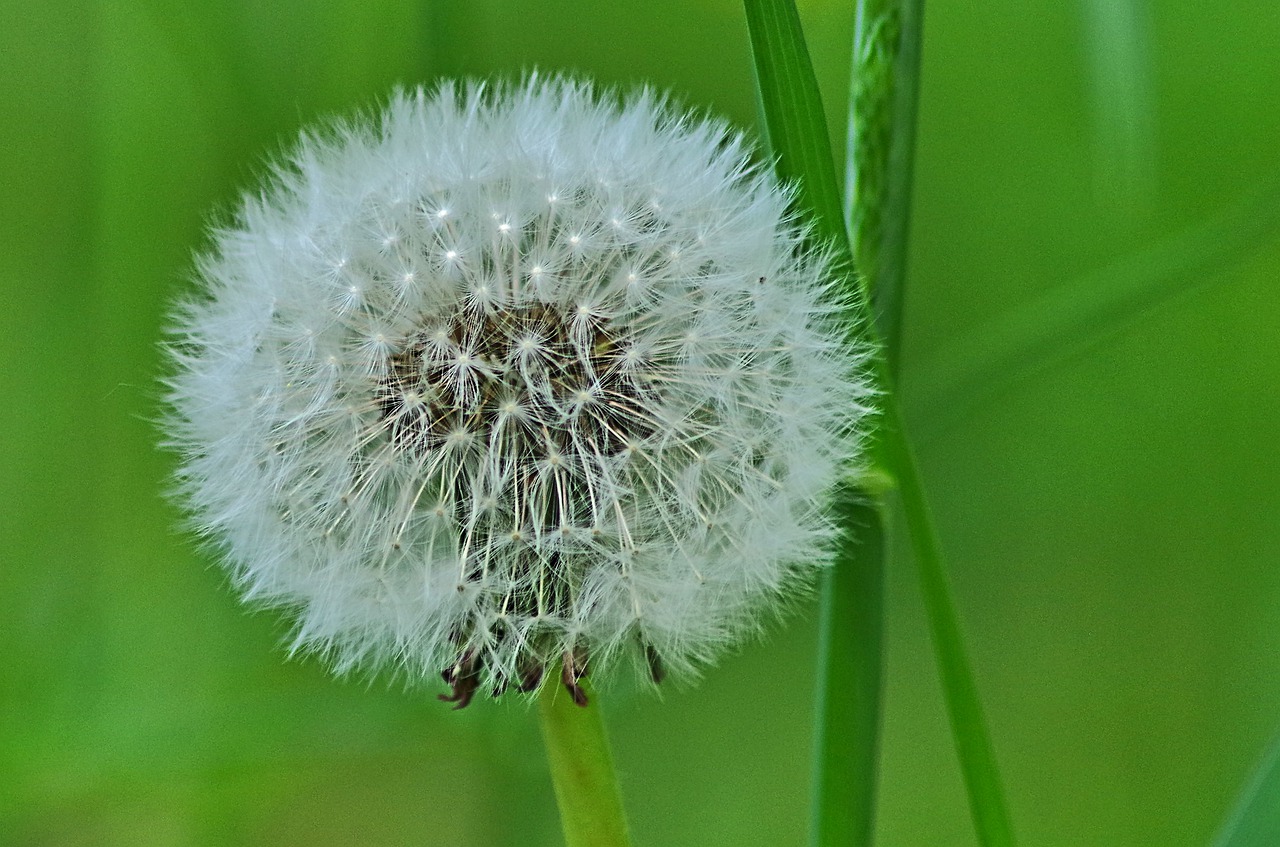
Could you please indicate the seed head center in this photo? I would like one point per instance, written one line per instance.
(526, 382)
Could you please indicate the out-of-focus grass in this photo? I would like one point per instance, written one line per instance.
(1112, 524)
(1255, 821)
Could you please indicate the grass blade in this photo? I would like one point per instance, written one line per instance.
(851, 660)
(1117, 35)
(850, 678)
(883, 93)
(798, 135)
(988, 361)
(795, 123)
(1255, 820)
(964, 709)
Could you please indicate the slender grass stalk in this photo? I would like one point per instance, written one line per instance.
(851, 657)
(884, 87)
(964, 709)
(797, 132)
(850, 650)
(850, 677)
(591, 812)
(1121, 87)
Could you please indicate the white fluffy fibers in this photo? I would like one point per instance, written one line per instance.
(505, 379)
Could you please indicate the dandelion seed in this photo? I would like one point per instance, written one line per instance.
(599, 429)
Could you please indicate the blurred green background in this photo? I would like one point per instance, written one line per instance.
(1112, 520)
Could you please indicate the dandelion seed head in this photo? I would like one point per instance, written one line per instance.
(514, 377)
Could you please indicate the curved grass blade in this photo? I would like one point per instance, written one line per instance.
(795, 123)
(958, 380)
(1255, 820)
(964, 709)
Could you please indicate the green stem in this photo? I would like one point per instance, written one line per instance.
(964, 710)
(884, 90)
(847, 716)
(850, 677)
(581, 769)
(884, 84)
(797, 133)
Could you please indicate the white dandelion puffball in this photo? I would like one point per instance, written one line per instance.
(515, 378)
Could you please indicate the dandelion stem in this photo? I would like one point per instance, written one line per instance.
(586, 788)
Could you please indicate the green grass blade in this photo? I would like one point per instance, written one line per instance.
(883, 93)
(798, 135)
(964, 709)
(850, 677)
(959, 379)
(848, 699)
(794, 120)
(1120, 72)
(1255, 820)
